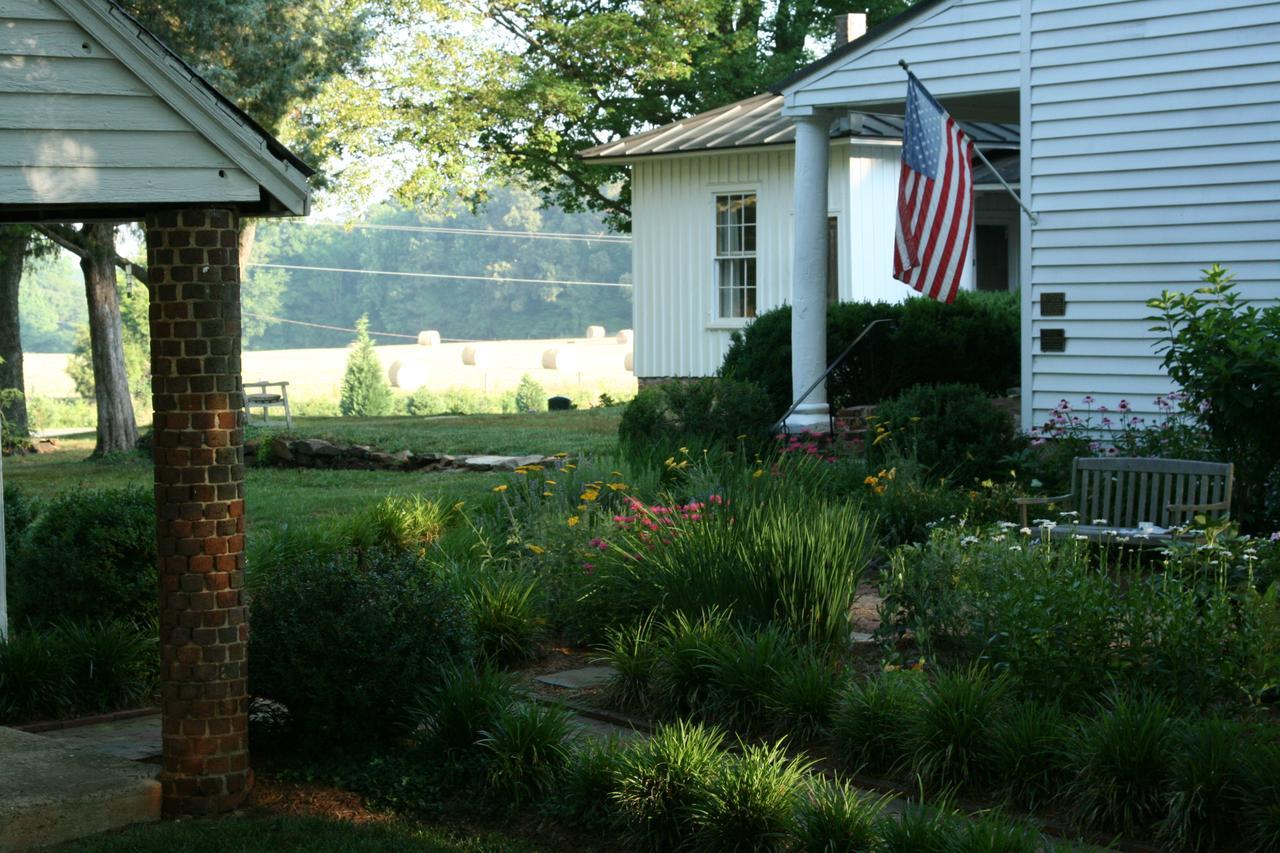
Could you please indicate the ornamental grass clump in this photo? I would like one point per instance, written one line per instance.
(631, 653)
(681, 683)
(527, 747)
(749, 803)
(870, 727)
(662, 782)
(1119, 761)
(742, 671)
(753, 560)
(1026, 752)
(803, 696)
(508, 614)
(1261, 813)
(1207, 785)
(832, 816)
(464, 700)
(950, 730)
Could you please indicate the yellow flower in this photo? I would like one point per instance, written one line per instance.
(615, 473)
(618, 487)
(685, 451)
(533, 467)
(879, 490)
(561, 455)
(757, 474)
(522, 470)
(568, 466)
(548, 494)
(501, 488)
(870, 481)
(881, 437)
(551, 482)
(536, 549)
(589, 495)
(987, 484)
(572, 520)
(670, 462)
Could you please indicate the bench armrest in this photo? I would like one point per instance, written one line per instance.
(1222, 505)
(1023, 503)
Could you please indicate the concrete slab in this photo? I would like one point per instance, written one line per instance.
(136, 739)
(578, 679)
(485, 463)
(51, 792)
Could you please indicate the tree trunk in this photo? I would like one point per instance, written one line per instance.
(117, 430)
(13, 250)
(246, 241)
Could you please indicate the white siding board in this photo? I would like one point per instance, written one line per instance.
(33, 185)
(47, 38)
(962, 47)
(34, 10)
(53, 75)
(1152, 150)
(107, 149)
(88, 112)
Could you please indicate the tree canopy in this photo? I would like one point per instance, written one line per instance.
(557, 76)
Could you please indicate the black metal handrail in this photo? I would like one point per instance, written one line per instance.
(832, 366)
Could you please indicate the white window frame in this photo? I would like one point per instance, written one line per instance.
(718, 318)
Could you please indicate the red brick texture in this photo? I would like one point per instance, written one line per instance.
(193, 263)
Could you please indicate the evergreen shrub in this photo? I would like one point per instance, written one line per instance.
(954, 430)
(365, 392)
(701, 412)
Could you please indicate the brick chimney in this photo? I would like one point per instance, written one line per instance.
(849, 27)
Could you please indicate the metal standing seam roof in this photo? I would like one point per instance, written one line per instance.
(757, 121)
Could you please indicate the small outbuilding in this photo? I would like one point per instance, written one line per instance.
(99, 121)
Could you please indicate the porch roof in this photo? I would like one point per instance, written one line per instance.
(759, 121)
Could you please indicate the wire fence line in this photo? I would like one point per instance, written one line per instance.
(447, 276)
(345, 329)
(474, 232)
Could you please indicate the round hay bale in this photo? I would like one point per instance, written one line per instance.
(407, 376)
(560, 359)
(477, 356)
(626, 336)
(594, 332)
(429, 338)
(629, 361)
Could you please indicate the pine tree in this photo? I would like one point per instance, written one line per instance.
(365, 392)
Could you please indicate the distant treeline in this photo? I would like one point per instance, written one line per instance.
(53, 305)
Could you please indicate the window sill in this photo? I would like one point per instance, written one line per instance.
(728, 325)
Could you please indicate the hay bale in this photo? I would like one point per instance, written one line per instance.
(595, 332)
(407, 376)
(563, 359)
(429, 338)
(477, 355)
(626, 336)
(629, 362)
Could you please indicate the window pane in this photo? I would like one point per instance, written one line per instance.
(722, 210)
(749, 238)
(749, 208)
(722, 239)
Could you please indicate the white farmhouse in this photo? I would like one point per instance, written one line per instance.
(712, 210)
(1150, 141)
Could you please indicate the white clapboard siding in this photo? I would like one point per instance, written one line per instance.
(677, 333)
(962, 47)
(79, 123)
(1151, 150)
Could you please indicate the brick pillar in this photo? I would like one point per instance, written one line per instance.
(194, 269)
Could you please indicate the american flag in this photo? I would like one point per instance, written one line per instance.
(935, 198)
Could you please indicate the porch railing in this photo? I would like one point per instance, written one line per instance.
(781, 423)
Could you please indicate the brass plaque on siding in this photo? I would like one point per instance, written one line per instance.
(1053, 304)
(1053, 340)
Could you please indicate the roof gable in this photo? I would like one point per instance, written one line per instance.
(101, 120)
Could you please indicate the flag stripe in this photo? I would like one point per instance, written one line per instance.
(935, 198)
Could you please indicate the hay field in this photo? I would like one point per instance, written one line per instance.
(317, 373)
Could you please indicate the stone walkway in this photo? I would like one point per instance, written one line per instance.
(136, 739)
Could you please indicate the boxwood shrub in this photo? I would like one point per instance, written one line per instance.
(347, 644)
(973, 341)
(700, 412)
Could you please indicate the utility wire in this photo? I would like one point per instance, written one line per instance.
(475, 232)
(345, 329)
(491, 279)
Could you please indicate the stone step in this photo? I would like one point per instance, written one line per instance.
(51, 792)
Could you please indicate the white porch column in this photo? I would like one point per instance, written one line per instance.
(809, 272)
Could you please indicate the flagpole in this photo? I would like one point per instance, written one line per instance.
(1035, 220)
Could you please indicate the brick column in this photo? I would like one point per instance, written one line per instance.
(193, 263)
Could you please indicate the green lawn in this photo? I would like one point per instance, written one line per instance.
(303, 834)
(589, 431)
(277, 496)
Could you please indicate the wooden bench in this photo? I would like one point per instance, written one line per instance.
(1148, 498)
(265, 399)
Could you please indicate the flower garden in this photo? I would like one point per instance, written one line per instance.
(1019, 688)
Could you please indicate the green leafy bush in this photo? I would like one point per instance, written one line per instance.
(345, 646)
(530, 395)
(19, 513)
(707, 412)
(1225, 355)
(955, 431)
(89, 556)
(35, 679)
(365, 392)
(973, 341)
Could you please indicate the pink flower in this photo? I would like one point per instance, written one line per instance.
(1124, 405)
(589, 568)
(1088, 400)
